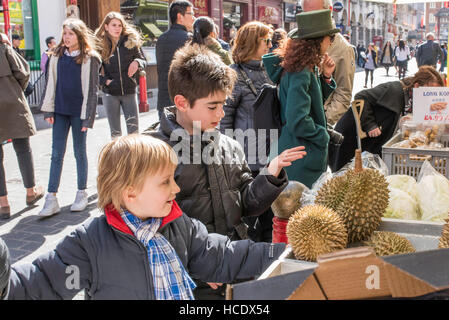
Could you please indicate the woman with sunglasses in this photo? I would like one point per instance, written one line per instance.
(252, 41)
(303, 70)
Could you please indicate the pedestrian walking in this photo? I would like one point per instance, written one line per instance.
(143, 247)
(383, 106)
(70, 101)
(444, 57)
(370, 64)
(203, 34)
(402, 54)
(182, 17)
(122, 58)
(428, 53)
(279, 36)
(51, 44)
(252, 41)
(17, 124)
(387, 58)
(302, 90)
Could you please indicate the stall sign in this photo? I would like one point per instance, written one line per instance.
(202, 6)
(269, 15)
(431, 104)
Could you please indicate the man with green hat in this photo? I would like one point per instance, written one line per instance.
(302, 91)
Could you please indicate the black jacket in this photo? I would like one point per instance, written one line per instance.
(428, 54)
(117, 69)
(223, 191)
(166, 46)
(112, 264)
(239, 111)
(383, 107)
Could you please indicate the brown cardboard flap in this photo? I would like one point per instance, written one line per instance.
(404, 285)
(357, 273)
(309, 290)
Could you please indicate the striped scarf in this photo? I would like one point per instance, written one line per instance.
(171, 280)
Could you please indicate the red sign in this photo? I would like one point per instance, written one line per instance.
(202, 6)
(269, 15)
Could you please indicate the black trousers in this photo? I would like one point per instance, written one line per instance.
(25, 159)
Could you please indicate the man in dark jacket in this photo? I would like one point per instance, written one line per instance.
(429, 52)
(182, 18)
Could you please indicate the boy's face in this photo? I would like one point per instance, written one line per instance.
(207, 111)
(155, 200)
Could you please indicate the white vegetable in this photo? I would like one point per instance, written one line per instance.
(433, 197)
(405, 183)
(402, 205)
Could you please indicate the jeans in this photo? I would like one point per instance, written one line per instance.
(26, 166)
(128, 102)
(61, 129)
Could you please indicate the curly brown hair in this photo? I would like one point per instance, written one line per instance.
(298, 54)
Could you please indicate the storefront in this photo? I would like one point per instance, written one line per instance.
(270, 12)
(235, 14)
(290, 10)
(24, 22)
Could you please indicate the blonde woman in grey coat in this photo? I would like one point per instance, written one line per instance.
(16, 123)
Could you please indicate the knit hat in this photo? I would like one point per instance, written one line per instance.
(313, 24)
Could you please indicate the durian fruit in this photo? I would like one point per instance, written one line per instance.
(315, 230)
(444, 239)
(386, 243)
(360, 197)
(289, 200)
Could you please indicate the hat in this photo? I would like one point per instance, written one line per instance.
(313, 24)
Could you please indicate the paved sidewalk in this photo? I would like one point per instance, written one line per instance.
(27, 235)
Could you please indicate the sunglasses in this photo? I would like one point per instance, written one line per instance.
(267, 41)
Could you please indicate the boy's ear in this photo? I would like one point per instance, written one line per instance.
(182, 104)
(129, 194)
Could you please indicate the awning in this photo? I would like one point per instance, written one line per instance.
(151, 28)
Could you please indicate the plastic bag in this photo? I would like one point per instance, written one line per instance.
(433, 194)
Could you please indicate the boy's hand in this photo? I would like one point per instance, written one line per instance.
(285, 159)
(5, 267)
(214, 285)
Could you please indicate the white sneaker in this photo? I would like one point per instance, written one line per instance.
(51, 206)
(80, 201)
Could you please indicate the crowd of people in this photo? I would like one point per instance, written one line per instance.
(174, 227)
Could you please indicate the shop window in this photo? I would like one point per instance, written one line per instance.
(150, 16)
(232, 15)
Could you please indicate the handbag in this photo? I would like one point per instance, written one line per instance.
(267, 108)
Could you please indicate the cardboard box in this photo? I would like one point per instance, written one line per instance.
(286, 276)
(355, 273)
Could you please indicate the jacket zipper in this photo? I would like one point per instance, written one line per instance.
(120, 70)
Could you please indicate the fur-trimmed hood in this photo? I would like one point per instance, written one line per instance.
(131, 40)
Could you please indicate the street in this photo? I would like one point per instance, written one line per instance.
(27, 235)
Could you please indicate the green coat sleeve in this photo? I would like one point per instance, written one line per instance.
(299, 123)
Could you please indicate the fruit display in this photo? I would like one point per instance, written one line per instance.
(289, 200)
(360, 197)
(315, 230)
(421, 137)
(387, 243)
(444, 239)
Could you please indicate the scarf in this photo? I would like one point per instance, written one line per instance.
(170, 278)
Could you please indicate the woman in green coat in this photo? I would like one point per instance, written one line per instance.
(303, 71)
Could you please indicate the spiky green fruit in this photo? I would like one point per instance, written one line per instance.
(387, 243)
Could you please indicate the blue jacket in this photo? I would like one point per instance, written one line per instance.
(113, 264)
